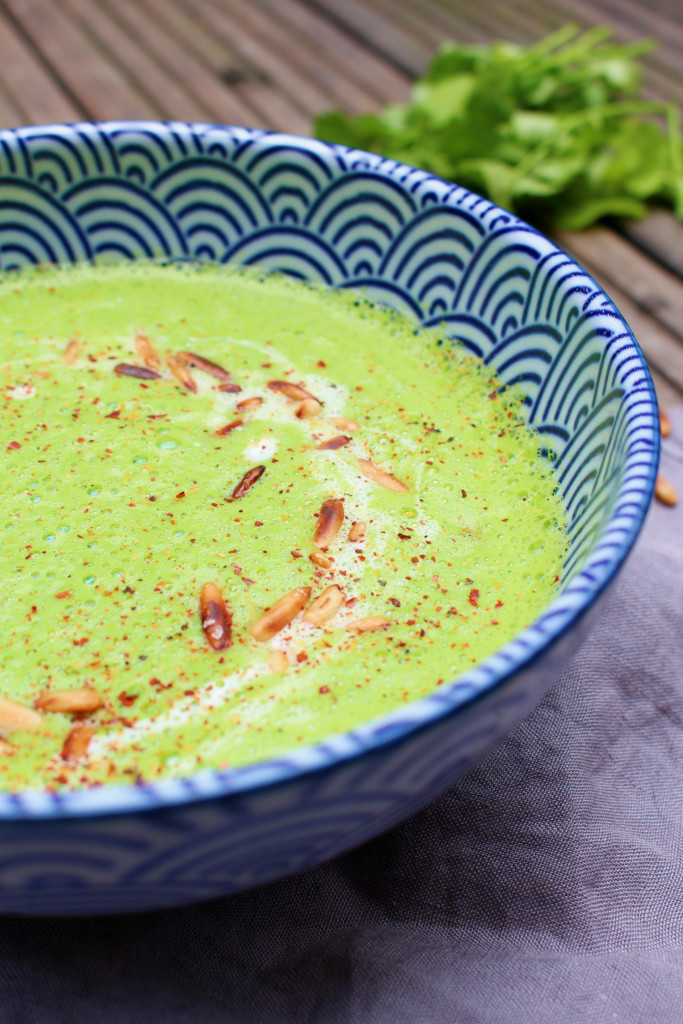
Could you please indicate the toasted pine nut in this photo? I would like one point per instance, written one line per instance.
(329, 522)
(222, 431)
(368, 625)
(318, 558)
(15, 717)
(251, 477)
(665, 492)
(69, 701)
(249, 403)
(664, 423)
(278, 661)
(380, 476)
(181, 373)
(307, 409)
(141, 372)
(357, 531)
(77, 741)
(280, 614)
(325, 606)
(293, 391)
(333, 443)
(208, 366)
(71, 351)
(147, 352)
(215, 616)
(342, 423)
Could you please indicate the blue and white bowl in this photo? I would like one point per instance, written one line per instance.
(348, 219)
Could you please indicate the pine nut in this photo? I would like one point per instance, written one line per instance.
(307, 409)
(215, 617)
(15, 717)
(325, 606)
(370, 624)
(290, 390)
(280, 614)
(357, 532)
(69, 701)
(71, 352)
(77, 742)
(665, 492)
(329, 522)
(147, 352)
(181, 373)
(380, 476)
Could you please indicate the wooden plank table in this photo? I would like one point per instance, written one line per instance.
(278, 63)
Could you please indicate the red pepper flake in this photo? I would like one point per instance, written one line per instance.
(323, 689)
(404, 536)
(493, 394)
(158, 684)
(414, 559)
(474, 598)
(556, 580)
(113, 415)
(499, 604)
(79, 643)
(302, 656)
(63, 593)
(179, 495)
(463, 493)
(257, 522)
(127, 699)
(296, 554)
(249, 583)
(494, 622)
(14, 445)
(395, 601)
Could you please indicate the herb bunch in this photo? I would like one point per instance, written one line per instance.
(554, 131)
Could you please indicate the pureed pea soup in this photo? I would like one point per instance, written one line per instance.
(240, 514)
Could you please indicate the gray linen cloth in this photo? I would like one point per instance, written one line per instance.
(546, 887)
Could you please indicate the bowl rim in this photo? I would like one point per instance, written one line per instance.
(470, 687)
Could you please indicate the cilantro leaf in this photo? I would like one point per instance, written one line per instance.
(554, 131)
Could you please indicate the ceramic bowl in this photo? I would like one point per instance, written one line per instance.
(350, 220)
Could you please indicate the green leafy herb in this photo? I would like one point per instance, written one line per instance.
(554, 131)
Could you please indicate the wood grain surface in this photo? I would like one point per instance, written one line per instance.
(278, 63)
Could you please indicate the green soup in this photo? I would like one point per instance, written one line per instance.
(117, 508)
